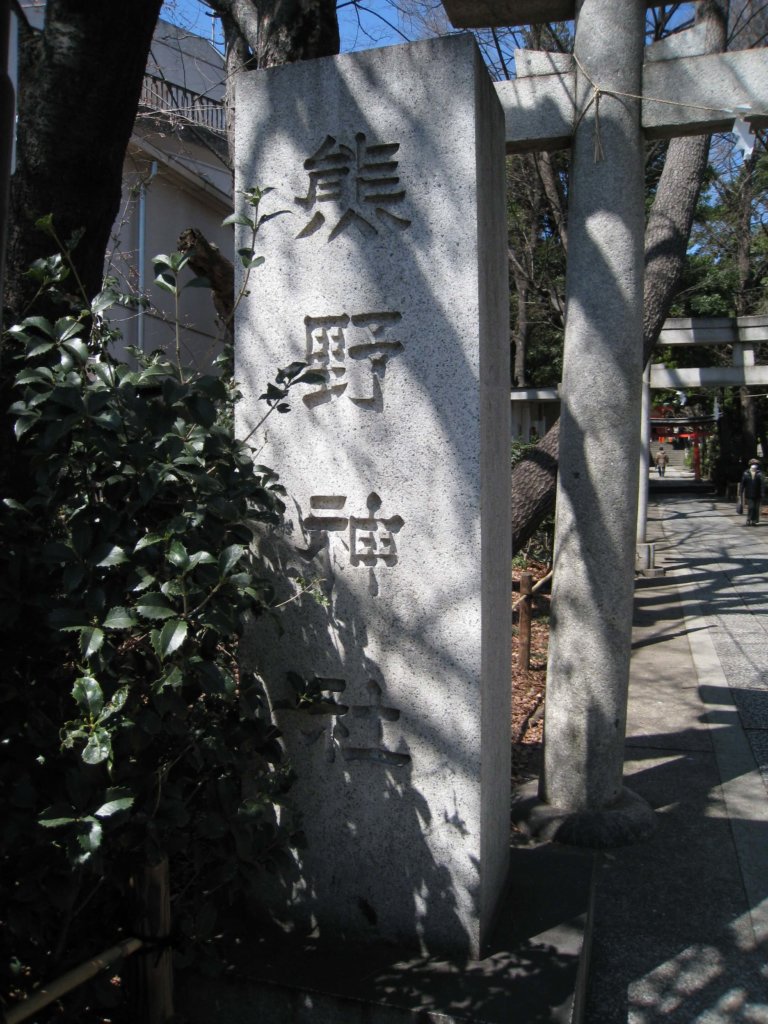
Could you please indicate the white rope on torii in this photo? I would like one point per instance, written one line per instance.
(604, 102)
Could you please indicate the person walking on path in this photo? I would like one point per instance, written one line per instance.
(751, 492)
(662, 460)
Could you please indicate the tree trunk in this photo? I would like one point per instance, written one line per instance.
(666, 241)
(534, 480)
(668, 230)
(79, 85)
(296, 30)
(205, 260)
(265, 33)
(748, 424)
(79, 82)
(7, 117)
(280, 31)
(534, 477)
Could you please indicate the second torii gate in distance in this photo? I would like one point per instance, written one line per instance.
(605, 100)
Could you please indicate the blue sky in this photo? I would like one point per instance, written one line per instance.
(371, 30)
(372, 23)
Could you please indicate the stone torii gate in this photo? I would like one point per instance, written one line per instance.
(604, 101)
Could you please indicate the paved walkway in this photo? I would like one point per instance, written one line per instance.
(681, 921)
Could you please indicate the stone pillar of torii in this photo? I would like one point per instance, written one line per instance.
(604, 101)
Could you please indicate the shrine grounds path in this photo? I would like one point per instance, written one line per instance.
(681, 921)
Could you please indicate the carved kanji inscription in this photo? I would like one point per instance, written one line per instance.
(352, 352)
(361, 180)
(354, 731)
(370, 539)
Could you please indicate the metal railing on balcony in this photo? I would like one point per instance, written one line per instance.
(182, 105)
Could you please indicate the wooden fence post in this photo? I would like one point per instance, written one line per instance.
(154, 968)
(524, 621)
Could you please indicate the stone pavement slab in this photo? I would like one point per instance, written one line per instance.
(681, 920)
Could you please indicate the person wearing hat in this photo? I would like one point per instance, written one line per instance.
(751, 492)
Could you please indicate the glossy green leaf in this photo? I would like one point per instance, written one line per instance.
(115, 556)
(172, 261)
(106, 298)
(36, 375)
(148, 540)
(39, 349)
(154, 606)
(24, 424)
(178, 556)
(167, 281)
(77, 349)
(238, 218)
(117, 703)
(152, 373)
(90, 841)
(40, 323)
(88, 695)
(229, 558)
(171, 680)
(45, 224)
(114, 805)
(145, 580)
(119, 618)
(68, 327)
(172, 636)
(98, 748)
(103, 371)
(17, 506)
(57, 817)
(91, 641)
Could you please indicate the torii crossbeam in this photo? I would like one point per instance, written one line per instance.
(604, 101)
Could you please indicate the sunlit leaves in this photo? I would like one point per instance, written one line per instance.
(229, 558)
(88, 696)
(133, 573)
(119, 618)
(167, 270)
(177, 555)
(170, 638)
(154, 606)
(117, 800)
(91, 640)
(98, 748)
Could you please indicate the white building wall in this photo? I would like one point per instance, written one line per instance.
(159, 202)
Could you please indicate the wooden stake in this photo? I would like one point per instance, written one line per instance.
(524, 648)
(154, 974)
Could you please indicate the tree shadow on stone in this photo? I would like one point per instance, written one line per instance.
(368, 868)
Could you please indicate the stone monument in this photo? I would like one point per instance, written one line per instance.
(387, 275)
